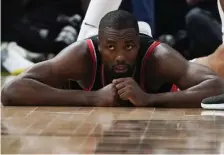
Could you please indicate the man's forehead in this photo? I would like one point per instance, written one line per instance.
(122, 31)
(128, 33)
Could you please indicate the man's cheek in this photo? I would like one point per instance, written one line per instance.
(131, 59)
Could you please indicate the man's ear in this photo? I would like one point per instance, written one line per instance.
(99, 48)
(98, 43)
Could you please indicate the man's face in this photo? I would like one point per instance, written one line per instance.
(119, 49)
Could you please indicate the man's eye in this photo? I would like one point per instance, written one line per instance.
(111, 47)
(129, 47)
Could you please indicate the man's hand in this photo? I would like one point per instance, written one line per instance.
(106, 97)
(128, 89)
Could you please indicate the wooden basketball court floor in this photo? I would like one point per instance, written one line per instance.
(76, 130)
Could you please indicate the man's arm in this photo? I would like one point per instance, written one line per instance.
(196, 81)
(40, 85)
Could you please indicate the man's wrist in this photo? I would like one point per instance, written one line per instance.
(148, 100)
(85, 98)
(92, 98)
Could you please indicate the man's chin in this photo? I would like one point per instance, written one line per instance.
(121, 75)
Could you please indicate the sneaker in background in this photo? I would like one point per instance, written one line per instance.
(214, 103)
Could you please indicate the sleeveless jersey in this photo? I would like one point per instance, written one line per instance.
(147, 46)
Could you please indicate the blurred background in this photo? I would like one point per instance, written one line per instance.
(36, 30)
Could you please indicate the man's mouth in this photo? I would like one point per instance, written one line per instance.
(120, 68)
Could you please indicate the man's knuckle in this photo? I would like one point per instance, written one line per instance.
(129, 79)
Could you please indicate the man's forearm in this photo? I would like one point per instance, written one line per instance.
(28, 92)
(190, 98)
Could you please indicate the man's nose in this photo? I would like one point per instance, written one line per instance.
(120, 59)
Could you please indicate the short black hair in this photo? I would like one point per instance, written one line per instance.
(119, 19)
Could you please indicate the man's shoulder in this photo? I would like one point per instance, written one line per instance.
(76, 52)
(163, 55)
(164, 51)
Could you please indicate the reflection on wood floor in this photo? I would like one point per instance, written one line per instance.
(44, 130)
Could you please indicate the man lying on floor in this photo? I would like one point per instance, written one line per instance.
(119, 65)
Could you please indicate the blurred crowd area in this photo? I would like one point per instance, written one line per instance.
(42, 28)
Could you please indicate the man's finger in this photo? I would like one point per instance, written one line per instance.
(124, 96)
(116, 81)
(121, 91)
(120, 85)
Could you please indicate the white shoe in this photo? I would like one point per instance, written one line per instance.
(215, 102)
(13, 59)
